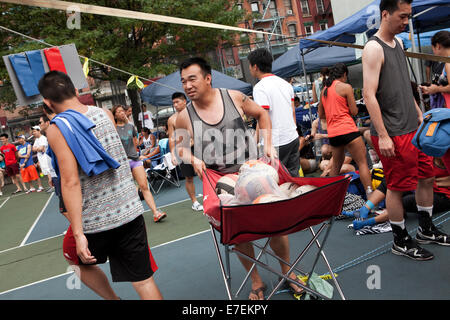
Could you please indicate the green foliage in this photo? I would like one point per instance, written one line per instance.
(141, 47)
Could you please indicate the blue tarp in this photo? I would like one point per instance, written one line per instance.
(368, 20)
(290, 63)
(160, 93)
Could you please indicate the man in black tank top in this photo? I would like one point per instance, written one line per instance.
(222, 110)
(395, 118)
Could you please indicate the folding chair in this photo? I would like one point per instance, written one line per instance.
(247, 223)
(164, 171)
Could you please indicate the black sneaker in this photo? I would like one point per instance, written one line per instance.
(432, 235)
(404, 245)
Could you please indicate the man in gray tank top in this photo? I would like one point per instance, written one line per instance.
(214, 120)
(395, 117)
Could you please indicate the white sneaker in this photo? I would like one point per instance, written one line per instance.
(31, 190)
(197, 206)
(378, 165)
(40, 190)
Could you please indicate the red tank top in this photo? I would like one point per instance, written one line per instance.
(337, 112)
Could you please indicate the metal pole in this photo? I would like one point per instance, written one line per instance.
(414, 49)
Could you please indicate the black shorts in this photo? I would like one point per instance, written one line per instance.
(290, 157)
(127, 250)
(187, 170)
(344, 139)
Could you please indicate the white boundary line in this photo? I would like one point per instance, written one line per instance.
(61, 234)
(36, 221)
(70, 272)
(1, 205)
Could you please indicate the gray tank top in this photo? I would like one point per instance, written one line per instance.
(224, 146)
(394, 94)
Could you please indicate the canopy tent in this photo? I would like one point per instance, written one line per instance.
(425, 38)
(427, 15)
(290, 63)
(160, 93)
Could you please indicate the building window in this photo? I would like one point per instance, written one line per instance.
(288, 6)
(309, 30)
(259, 36)
(305, 7)
(323, 26)
(292, 30)
(255, 7)
(320, 7)
(273, 8)
(229, 56)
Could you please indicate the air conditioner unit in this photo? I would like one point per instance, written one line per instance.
(288, 11)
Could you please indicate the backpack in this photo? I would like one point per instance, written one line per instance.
(433, 135)
(377, 178)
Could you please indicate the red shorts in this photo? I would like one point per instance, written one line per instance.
(70, 252)
(29, 174)
(409, 164)
(446, 159)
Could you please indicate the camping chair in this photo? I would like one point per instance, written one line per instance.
(293, 215)
(164, 170)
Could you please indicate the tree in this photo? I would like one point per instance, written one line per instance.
(143, 48)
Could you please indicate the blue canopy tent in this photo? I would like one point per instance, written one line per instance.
(427, 15)
(425, 38)
(290, 63)
(160, 92)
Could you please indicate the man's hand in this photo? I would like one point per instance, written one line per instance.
(386, 146)
(83, 251)
(199, 166)
(429, 90)
(270, 152)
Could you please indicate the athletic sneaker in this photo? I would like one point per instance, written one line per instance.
(404, 245)
(40, 190)
(432, 235)
(196, 206)
(427, 231)
(31, 190)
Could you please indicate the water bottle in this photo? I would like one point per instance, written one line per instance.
(318, 149)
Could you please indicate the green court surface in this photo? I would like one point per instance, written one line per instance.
(28, 263)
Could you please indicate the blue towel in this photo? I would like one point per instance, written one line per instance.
(90, 154)
(36, 64)
(24, 74)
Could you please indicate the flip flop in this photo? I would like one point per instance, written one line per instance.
(258, 290)
(287, 286)
(159, 216)
(17, 191)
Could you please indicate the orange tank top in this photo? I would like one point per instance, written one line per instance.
(337, 112)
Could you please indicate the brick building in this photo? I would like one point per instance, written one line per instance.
(315, 15)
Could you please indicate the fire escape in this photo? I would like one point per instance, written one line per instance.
(270, 21)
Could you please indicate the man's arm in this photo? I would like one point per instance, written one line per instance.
(70, 189)
(252, 109)
(183, 133)
(351, 100)
(372, 60)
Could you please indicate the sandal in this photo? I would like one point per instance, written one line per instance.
(159, 216)
(17, 191)
(257, 291)
(288, 286)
